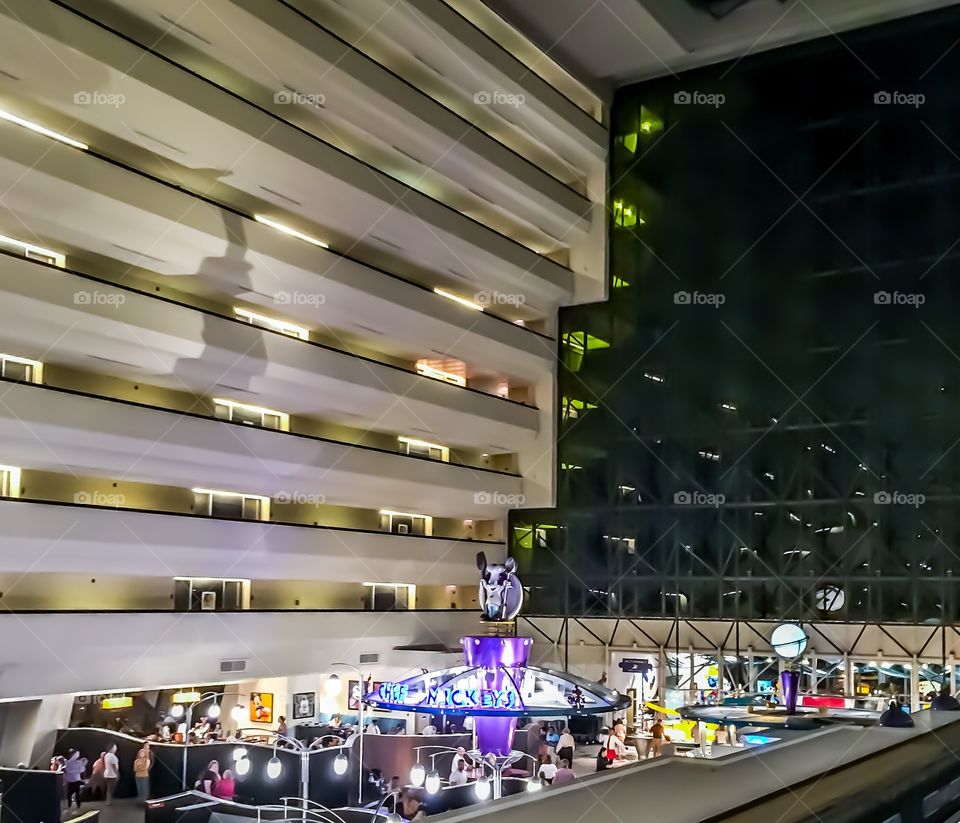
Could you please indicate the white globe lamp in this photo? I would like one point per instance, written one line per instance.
(417, 775)
(332, 685)
(274, 767)
(788, 640)
(432, 782)
(340, 764)
(482, 788)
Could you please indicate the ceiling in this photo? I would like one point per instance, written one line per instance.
(608, 43)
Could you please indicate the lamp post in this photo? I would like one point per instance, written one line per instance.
(393, 817)
(214, 713)
(332, 687)
(275, 765)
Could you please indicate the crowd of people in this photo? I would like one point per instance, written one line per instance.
(79, 780)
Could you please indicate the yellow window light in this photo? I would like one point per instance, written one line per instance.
(221, 493)
(404, 514)
(273, 224)
(33, 252)
(124, 702)
(282, 326)
(283, 417)
(9, 481)
(424, 444)
(185, 697)
(438, 374)
(457, 299)
(36, 366)
(36, 127)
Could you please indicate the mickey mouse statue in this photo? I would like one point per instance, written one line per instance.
(501, 594)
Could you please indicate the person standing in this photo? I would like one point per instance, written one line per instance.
(565, 746)
(141, 771)
(96, 783)
(226, 787)
(458, 776)
(656, 734)
(210, 777)
(111, 772)
(73, 778)
(282, 726)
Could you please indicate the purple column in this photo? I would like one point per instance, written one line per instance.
(790, 682)
(497, 656)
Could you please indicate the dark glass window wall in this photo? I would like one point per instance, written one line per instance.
(763, 419)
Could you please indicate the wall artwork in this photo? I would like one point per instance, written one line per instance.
(304, 705)
(261, 707)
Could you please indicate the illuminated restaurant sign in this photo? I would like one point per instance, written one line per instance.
(447, 697)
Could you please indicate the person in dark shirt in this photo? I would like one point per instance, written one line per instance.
(945, 702)
(895, 717)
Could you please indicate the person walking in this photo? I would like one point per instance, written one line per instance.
(141, 772)
(96, 783)
(73, 778)
(111, 772)
(566, 745)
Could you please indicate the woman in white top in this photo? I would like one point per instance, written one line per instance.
(547, 771)
(111, 771)
(565, 746)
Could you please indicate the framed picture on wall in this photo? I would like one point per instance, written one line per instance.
(304, 705)
(261, 707)
(353, 698)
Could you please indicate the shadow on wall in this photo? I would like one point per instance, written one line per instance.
(240, 367)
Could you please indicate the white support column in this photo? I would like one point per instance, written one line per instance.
(691, 684)
(952, 666)
(849, 685)
(663, 668)
(813, 671)
(915, 685)
(720, 664)
(751, 671)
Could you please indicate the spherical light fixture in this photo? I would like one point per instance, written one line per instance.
(432, 782)
(274, 767)
(239, 753)
(242, 766)
(214, 710)
(417, 775)
(341, 763)
(393, 817)
(238, 713)
(788, 640)
(482, 788)
(533, 785)
(176, 710)
(332, 685)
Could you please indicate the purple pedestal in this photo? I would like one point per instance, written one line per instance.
(501, 658)
(790, 683)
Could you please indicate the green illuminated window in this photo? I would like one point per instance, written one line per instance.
(571, 408)
(619, 282)
(526, 537)
(626, 215)
(649, 122)
(576, 344)
(570, 467)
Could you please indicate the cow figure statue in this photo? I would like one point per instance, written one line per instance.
(501, 594)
